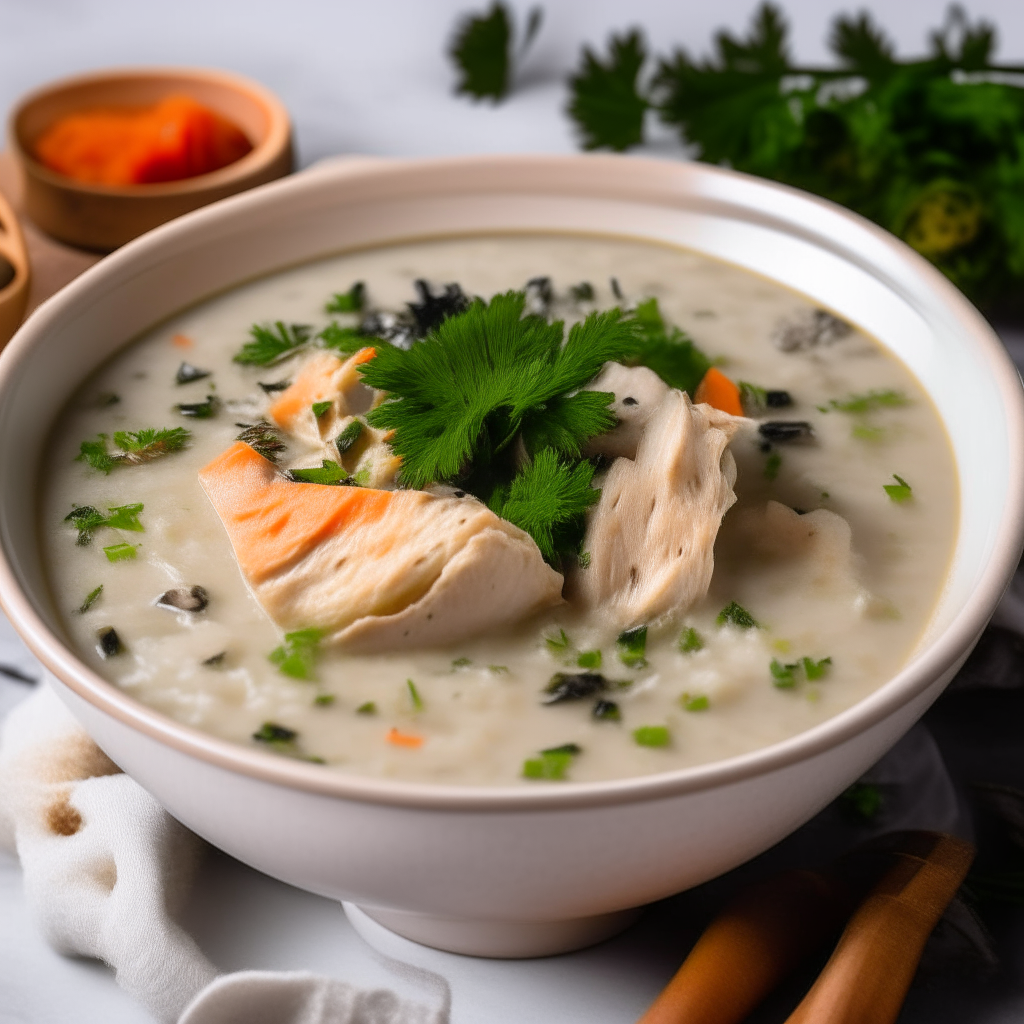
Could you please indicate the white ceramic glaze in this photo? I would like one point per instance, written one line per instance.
(530, 870)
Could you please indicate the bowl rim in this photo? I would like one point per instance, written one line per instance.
(262, 153)
(943, 654)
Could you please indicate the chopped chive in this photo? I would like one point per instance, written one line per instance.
(125, 517)
(109, 645)
(736, 615)
(369, 708)
(348, 437)
(772, 465)
(607, 711)
(867, 401)
(698, 702)
(319, 408)
(121, 552)
(652, 736)
(296, 657)
(589, 659)
(414, 695)
(900, 491)
(327, 473)
(559, 643)
(816, 669)
(783, 676)
(690, 641)
(91, 598)
(324, 700)
(461, 663)
(276, 736)
(552, 764)
(632, 645)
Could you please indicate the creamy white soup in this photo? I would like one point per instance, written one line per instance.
(746, 571)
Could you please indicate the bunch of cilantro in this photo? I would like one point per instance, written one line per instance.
(492, 401)
(932, 149)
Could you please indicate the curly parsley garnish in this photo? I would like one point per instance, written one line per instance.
(736, 615)
(351, 301)
(272, 344)
(137, 447)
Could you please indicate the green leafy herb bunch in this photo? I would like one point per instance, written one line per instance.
(484, 51)
(931, 149)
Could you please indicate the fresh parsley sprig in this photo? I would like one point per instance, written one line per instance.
(269, 345)
(136, 447)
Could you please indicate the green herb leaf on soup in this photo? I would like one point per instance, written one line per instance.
(772, 465)
(607, 711)
(461, 663)
(369, 708)
(345, 341)
(900, 491)
(96, 455)
(348, 437)
(864, 432)
(605, 101)
(498, 670)
(91, 598)
(328, 473)
(87, 520)
(278, 737)
(589, 659)
(319, 408)
(204, 410)
(868, 401)
(736, 615)
(262, 439)
(414, 695)
(121, 552)
(297, 656)
(140, 446)
(783, 676)
(652, 736)
(351, 301)
(690, 641)
(696, 702)
(324, 700)
(816, 669)
(632, 646)
(125, 517)
(558, 643)
(552, 764)
(269, 345)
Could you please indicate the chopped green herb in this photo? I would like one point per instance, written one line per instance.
(753, 398)
(87, 520)
(565, 686)
(899, 491)
(632, 645)
(559, 643)
(607, 711)
(583, 559)
(461, 663)
(348, 437)
(589, 659)
(319, 408)
(862, 801)
(690, 641)
(736, 615)
(125, 517)
(816, 669)
(482, 50)
(652, 736)
(137, 447)
(91, 598)
(109, 645)
(328, 473)
(324, 700)
(864, 432)
(582, 292)
(868, 401)
(260, 437)
(121, 552)
(369, 708)
(203, 410)
(215, 660)
(671, 354)
(351, 301)
(272, 387)
(498, 670)
(772, 465)
(699, 702)
(783, 676)
(187, 374)
(552, 764)
(361, 478)
(271, 344)
(605, 103)
(414, 695)
(296, 657)
(276, 736)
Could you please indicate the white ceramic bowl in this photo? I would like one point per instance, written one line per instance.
(530, 870)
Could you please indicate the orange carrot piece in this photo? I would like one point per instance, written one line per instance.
(719, 392)
(182, 341)
(404, 739)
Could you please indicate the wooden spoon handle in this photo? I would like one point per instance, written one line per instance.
(867, 977)
(750, 947)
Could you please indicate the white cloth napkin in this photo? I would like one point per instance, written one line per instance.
(106, 867)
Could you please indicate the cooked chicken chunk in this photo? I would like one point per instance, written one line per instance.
(638, 393)
(651, 536)
(374, 569)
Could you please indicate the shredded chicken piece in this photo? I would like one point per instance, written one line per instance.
(639, 392)
(651, 536)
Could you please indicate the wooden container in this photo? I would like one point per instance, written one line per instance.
(102, 217)
(14, 273)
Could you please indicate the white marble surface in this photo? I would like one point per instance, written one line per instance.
(372, 78)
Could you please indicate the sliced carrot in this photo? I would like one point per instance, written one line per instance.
(404, 739)
(719, 392)
(182, 341)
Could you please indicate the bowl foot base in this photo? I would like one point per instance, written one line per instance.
(508, 940)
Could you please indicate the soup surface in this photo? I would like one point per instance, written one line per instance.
(804, 616)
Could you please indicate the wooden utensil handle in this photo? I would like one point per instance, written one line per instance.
(867, 977)
(750, 947)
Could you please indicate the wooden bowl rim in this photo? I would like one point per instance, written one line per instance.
(13, 251)
(263, 153)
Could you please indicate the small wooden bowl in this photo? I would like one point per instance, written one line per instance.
(103, 217)
(13, 288)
